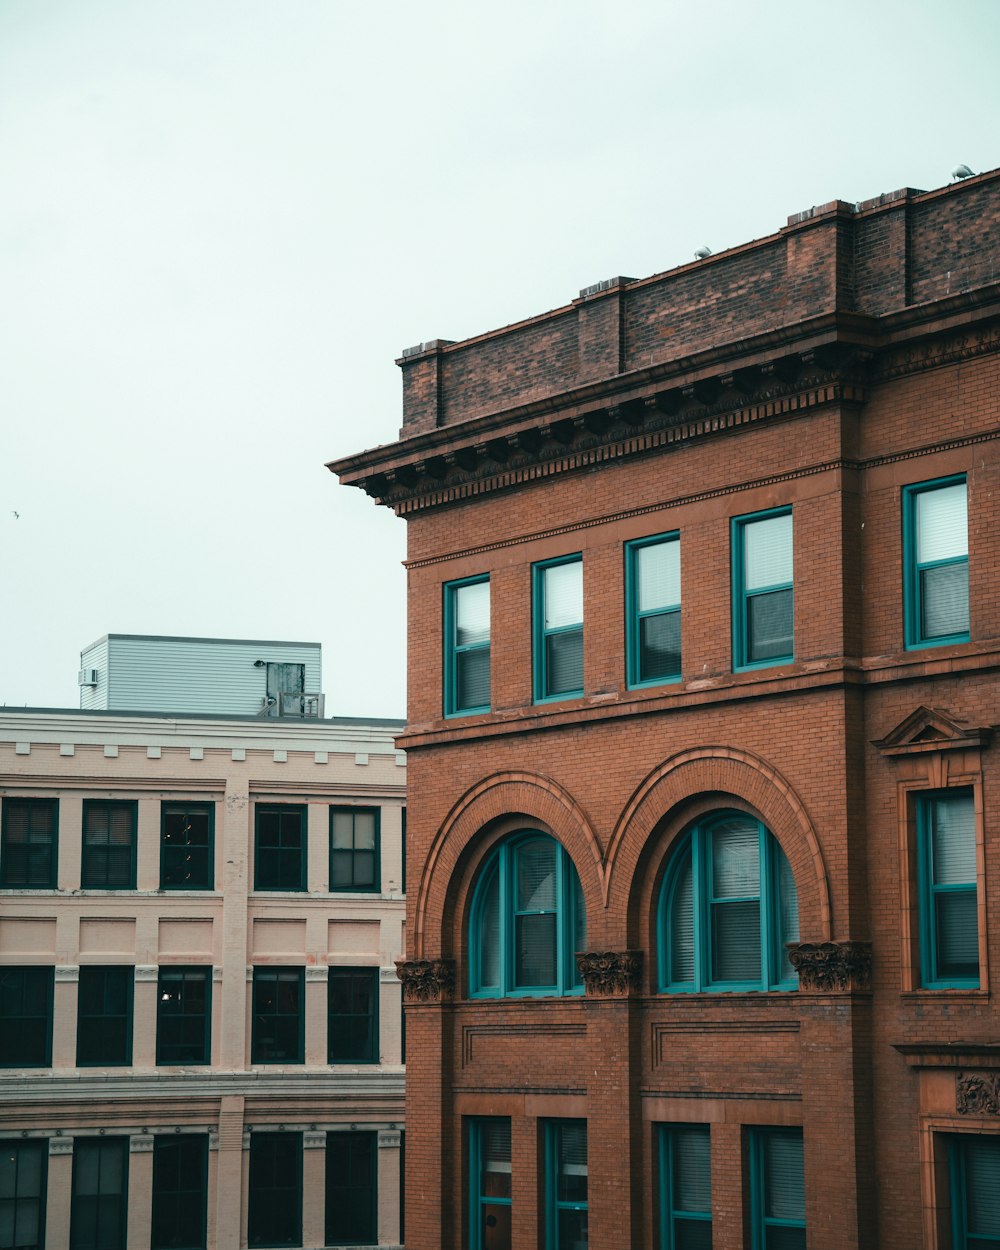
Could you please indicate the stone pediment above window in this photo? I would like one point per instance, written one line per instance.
(931, 729)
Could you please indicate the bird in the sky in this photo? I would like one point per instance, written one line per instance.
(15, 515)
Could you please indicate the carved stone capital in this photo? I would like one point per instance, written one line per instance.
(610, 974)
(977, 1093)
(426, 980)
(832, 965)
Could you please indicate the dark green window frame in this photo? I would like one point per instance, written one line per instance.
(277, 1032)
(490, 1183)
(566, 1181)
(502, 925)
(464, 658)
(184, 1016)
(555, 644)
(187, 846)
(280, 847)
(26, 999)
(355, 868)
(23, 1176)
(951, 900)
(974, 1176)
(746, 600)
(697, 938)
(99, 1206)
(104, 1016)
(352, 1015)
(351, 1189)
(274, 1203)
(918, 630)
(685, 1175)
(29, 844)
(180, 1192)
(108, 861)
(777, 1189)
(652, 627)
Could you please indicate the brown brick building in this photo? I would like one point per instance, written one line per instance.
(704, 840)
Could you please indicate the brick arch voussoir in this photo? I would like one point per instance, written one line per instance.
(725, 770)
(531, 795)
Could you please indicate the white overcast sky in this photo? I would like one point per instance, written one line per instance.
(222, 220)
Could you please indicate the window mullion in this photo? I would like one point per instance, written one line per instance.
(701, 925)
(768, 913)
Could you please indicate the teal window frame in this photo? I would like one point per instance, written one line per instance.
(274, 1191)
(179, 1192)
(91, 1211)
(913, 606)
(23, 1184)
(279, 868)
(501, 863)
(635, 617)
(967, 1154)
(352, 1027)
(26, 1008)
(29, 836)
(558, 1208)
(676, 1209)
(273, 1013)
(97, 867)
(481, 1204)
(104, 1016)
(359, 883)
(541, 675)
(930, 892)
(351, 1189)
(741, 597)
(762, 1220)
(187, 862)
(183, 1024)
(696, 843)
(453, 650)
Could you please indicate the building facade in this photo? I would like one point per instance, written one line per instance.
(704, 628)
(200, 1024)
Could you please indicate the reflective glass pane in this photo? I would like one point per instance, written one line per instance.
(563, 595)
(953, 839)
(472, 614)
(942, 523)
(364, 831)
(767, 552)
(736, 858)
(770, 625)
(660, 646)
(536, 875)
(564, 662)
(473, 678)
(658, 574)
(944, 600)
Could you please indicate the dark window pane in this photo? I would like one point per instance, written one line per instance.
(473, 674)
(100, 1179)
(692, 1234)
(276, 1033)
(944, 600)
(104, 1016)
(353, 1015)
(659, 646)
(351, 1188)
(769, 625)
(25, 1017)
(784, 1238)
(564, 662)
(275, 1191)
(183, 1013)
(186, 847)
(22, 1194)
(180, 1192)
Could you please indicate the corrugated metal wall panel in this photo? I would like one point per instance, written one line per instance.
(95, 656)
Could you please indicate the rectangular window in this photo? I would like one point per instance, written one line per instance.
(104, 1017)
(777, 1190)
(108, 861)
(763, 607)
(653, 609)
(351, 1189)
(280, 848)
(558, 628)
(26, 1017)
(22, 1194)
(28, 844)
(186, 846)
(278, 1028)
(685, 1187)
(949, 910)
(936, 562)
(975, 1191)
(180, 1192)
(467, 647)
(566, 1185)
(490, 1184)
(353, 1015)
(184, 1016)
(354, 849)
(100, 1193)
(275, 1197)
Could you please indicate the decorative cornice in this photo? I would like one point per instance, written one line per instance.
(931, 729)
(426, 980)
(826, 966)
(610, 974)
(977, 1093)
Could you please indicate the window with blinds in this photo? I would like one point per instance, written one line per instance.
(28, 844)
(653, 607)
(763, 596)
(490, 1176)
(109, 852)
(727, 910)
(558, 628)
(527, 920)
(949, 900)
(566, 1214)
(467, 647)
(936, 562)
(975, 1190)
(777, 1190)
(685, 1187)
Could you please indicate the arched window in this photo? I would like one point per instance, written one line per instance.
(727, 908)
(527, 921)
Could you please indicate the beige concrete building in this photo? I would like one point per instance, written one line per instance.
(200, 1024)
